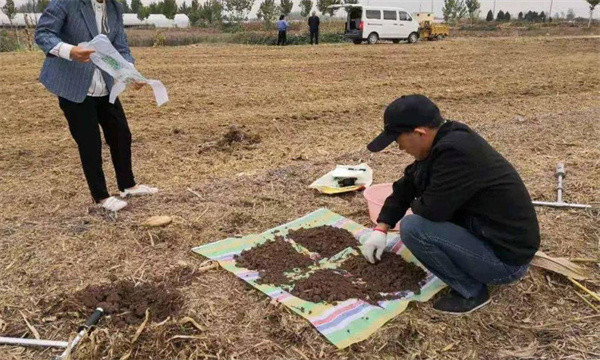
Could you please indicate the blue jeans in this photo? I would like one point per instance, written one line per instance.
(461, 260)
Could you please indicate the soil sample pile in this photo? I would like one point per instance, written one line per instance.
(127, 303)
(325, 240)
(238, 135)
(391, 274)
(329, 286)
(272, 259)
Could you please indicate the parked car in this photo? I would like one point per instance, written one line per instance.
(374, 23)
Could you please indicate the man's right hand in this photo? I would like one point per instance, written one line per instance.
(80, 54)
(373, 248)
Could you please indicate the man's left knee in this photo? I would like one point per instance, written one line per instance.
(410, 223)
(410, 228)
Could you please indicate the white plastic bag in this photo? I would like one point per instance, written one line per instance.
(107, 58)
(328, 183)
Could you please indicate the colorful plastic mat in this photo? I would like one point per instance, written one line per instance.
(346, 322)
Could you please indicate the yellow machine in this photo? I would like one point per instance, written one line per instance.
(431, 31)
(428, 29)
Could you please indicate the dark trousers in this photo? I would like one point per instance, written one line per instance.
(281, 38)
(461, 260)
(314, 35)
(83, 119)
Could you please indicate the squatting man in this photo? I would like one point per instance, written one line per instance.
(465, 212)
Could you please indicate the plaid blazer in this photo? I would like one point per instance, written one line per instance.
(73, 22)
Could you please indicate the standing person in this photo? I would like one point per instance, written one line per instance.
(472, 220)
(82, 90)
(282, 26)
(313, 25)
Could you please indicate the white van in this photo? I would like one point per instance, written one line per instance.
(374, 23)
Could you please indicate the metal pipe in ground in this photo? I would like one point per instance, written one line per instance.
(561, 205)
(32, 342)
(91, 322)
(560, 173)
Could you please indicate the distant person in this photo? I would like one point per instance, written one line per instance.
(282, 26)
(313, 25)
(83, 90)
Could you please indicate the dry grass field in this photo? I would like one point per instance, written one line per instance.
(536, 99)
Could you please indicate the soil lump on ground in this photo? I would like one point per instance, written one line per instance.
(272, 259)
(238, 135)
(391, 274)
(125, 302)
(327, 285)
(325, 240)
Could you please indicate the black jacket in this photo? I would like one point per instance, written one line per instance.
(313, 23)
(465, 181)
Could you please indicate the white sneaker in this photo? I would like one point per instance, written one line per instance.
(113, 204)
(139, 190)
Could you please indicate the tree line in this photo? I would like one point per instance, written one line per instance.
(531, 16)
(215, 11)
(455, 10)
(211, 12)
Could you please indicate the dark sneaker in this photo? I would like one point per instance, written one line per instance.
(454, 303)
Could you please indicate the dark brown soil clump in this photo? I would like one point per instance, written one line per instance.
(127, 303)
(272, 259)
(329, 286)
(325, 240)
(238, 135)
(391, 274)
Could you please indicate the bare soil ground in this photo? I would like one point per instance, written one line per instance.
(534, 98)
(523, 29)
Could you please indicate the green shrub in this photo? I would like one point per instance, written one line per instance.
(242, 37)
(7, 42)
(232, 27)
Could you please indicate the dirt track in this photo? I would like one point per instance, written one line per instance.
(535, 99)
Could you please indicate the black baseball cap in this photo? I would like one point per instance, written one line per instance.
(404, 115)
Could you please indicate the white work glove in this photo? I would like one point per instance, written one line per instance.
(375, 244)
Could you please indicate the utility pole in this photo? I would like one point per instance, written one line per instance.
(550, 13)
(494, 11)
(431, 6)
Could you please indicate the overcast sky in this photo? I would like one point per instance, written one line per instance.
(580, 7)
